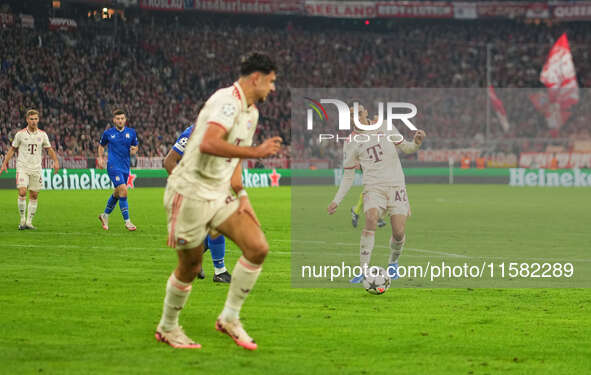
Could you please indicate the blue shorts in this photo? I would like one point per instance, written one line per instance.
(118, 177)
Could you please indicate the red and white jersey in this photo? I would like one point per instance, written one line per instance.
(207, 176)
(30, 149)
(375, 151)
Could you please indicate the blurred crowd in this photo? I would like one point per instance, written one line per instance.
(161, 74)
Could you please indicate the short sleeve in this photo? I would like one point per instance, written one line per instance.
(350, 157)
(104, 139)
(179, 145)
(224, 113)
(46, 143)
(16, 141)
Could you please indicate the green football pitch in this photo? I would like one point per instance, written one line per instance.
(78, 300)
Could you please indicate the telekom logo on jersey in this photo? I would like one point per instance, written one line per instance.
(345, 114)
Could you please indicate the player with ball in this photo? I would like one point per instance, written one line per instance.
(384, 189)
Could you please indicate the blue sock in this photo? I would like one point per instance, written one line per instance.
(217, 246)
(124, 208)
(111, 203)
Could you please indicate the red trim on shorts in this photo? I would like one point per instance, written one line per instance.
(217, 124)
(353, 167)
(176, 205)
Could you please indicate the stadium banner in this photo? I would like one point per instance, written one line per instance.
(27, 21)
(69, 162)
(545, 178)
(408, 9)
(6, 19)
(563, 160)
(67, 24)
(509, 9)
(493, 159)
(96, 179)
(246, 6)
(340, 9)
(465, 11)
(538, 11)
(173, 5)
(571, 11)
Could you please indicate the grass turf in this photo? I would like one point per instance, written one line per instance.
(76, 299)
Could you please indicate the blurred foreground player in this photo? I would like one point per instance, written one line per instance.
(216, 245)
(122, 143)
(198, 199)
(29, 144)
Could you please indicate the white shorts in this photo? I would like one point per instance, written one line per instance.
(390, 200)
(31, 181)
(190, 218)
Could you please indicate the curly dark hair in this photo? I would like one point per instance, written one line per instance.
(257, 62)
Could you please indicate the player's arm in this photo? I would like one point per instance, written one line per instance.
(350, 163)
(171, 160)
(7, 158)
(245, 206)
(213, 143)
(346, 183)
(134, 145)
(100, 162)
(53, 156)
(406, 146)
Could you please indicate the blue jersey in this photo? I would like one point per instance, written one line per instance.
(181, 142)
(119, 141)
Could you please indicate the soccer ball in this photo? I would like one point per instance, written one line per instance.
(376, 281)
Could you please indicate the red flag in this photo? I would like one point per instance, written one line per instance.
(499, 108)
(560, 77)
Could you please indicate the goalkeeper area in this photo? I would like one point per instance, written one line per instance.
(76, 299)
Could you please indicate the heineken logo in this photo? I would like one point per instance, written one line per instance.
(541, 177)
(90, 179)
(260, 179)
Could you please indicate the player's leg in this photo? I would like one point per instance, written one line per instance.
(32, 208)
(356, 210)
(187, 220)
(111, 202)
(217, 247)
(367, 241)
(178, 289)
(123, 204)
(22, 184)
(381, 221)
(35, 185)
(399, 212)
(396, 243)
(248, 236)
(22, 206)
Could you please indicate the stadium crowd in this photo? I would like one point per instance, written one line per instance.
(161, 74)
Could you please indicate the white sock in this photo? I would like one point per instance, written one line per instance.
(31, 210)
(217, 271)
(396, 247)
(127, 221)
(22, 209)
(244, 277)
(177, 293)
(366, 247)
